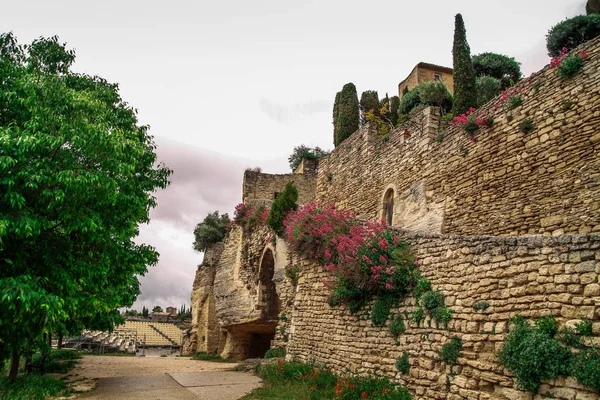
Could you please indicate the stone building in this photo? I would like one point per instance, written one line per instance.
(425, 72)
(508, 217)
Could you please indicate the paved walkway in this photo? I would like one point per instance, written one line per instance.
(213, 385)
(158, 378)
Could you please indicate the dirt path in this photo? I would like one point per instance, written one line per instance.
(150, 378)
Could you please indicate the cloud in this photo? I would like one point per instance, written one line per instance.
(286, 113)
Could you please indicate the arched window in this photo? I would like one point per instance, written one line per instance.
(388, 206)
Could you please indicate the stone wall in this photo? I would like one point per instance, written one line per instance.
(264, 187)
(505, 183)
(532, 276)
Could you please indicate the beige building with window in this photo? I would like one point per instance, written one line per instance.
(424, 72)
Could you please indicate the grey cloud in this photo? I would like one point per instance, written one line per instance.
(286, 113)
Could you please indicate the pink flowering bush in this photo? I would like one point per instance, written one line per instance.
(470, 123)
(247, 217)
(568, 65)
(364, 258)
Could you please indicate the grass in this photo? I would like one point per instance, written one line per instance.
(300, 381)
(203, 356)
(32, 387)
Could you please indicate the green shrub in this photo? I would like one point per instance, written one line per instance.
(417, 316)
(481, 305)
(503, 68)
(432, 300)
(211, 230)
(584, 327)
(570, 66)
(409, 101)
(569, 337)
(381, 310)
(275, 352)
(435, 94)
(514, 102)
(592, 7)
(442, 315)
(304, 152)
(532, 355)
(586, 368)
(487, 88)
(402, 364)
(283, 203)
(451, 350)
(397, 326)
(547, 324)
(572, 32)
(423, 285)
(526, 126)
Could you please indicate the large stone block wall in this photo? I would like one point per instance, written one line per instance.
(506, 183)
(532, 276)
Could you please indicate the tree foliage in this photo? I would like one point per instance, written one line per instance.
(592, 7)
(304, 152)
(426, 94)
(157, 309)
(487, 88)
(572, 32)
(211, 230)
(369, 101)
(283, 203)
(77, 177)
(348, 117)
(498, 66)
(465, 95)
(336, 115)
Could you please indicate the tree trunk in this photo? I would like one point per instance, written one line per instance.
(14, 365)
(50, 340)
(60, 340)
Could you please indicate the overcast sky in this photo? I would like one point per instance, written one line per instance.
(235, 84)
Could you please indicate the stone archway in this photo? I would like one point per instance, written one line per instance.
(268, 299)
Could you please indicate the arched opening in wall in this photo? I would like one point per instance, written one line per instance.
(388, 207)
(268, 299)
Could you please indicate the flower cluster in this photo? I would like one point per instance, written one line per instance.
(470, 122)
(246, 216)
(364, 258)
(567, 65)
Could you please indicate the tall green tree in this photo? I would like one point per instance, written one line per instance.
(211, 230)
(348, 117)
(465, 94)
(395, 104)
(369, 101)
(336, 115)
(592, 7)
(77, 177)
(283, 203)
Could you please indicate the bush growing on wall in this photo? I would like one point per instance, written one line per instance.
(572, 32)
(425, 94)
(282, 205)
(211, 230)
(487, 88)
(304, 152)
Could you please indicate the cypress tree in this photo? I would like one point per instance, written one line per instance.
(592, 7)
(283, 203)
(348, 113)
(369, 100)
(336, 112)
(395, 104)
(465, 94)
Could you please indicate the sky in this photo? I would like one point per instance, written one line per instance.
(234, 84)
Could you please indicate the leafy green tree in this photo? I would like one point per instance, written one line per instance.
(77, 177)
(301, 152)
(498, 66)
(283, 203)
(465, 95)
(157, 309)
(211, 230)
(592, 7)
(369, 101)
(572, 32)
(348, 117)
(435, 94)
(409, 100)
(487, 88)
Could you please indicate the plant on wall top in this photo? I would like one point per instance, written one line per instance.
(211, 230)
(282, 205)
(572, 32)
(304, 152)
(498, 66)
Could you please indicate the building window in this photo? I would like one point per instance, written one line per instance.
(437, 77)
(388, 207)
